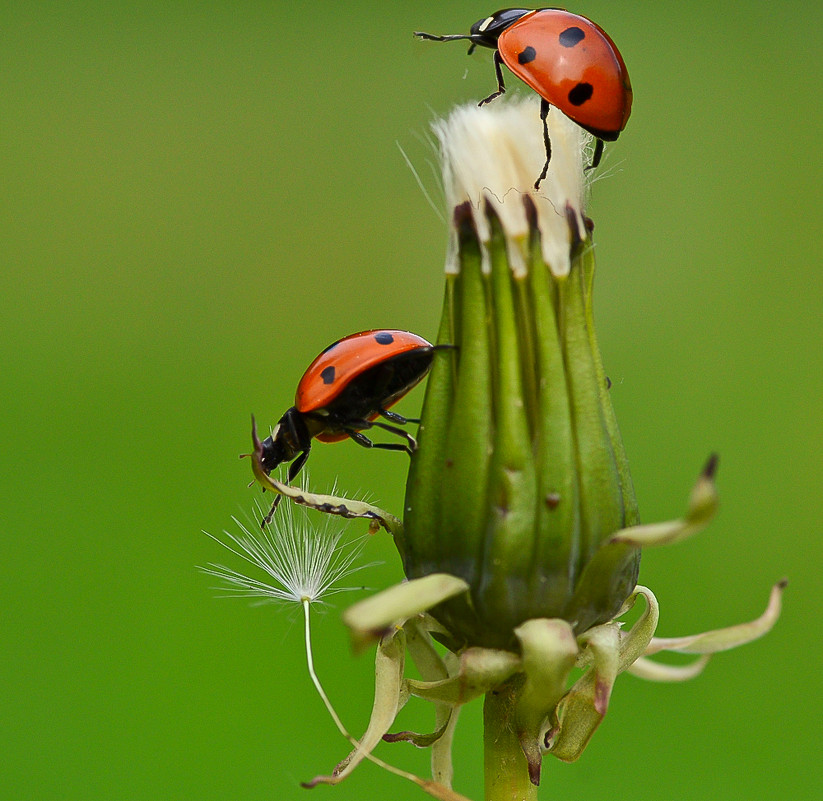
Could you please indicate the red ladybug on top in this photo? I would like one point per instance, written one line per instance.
(351, 383)
(567, 59)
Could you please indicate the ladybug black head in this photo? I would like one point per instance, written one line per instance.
(289, 438)
(272, 453)
(486, 31)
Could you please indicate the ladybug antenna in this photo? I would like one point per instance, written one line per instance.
(474, 38)
(432, 37)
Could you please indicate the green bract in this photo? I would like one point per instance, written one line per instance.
(520, 479)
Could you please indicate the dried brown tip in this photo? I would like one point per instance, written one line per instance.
(710, 469)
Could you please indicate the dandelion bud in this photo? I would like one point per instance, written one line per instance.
(520, 478)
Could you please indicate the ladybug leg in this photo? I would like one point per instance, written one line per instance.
(267, 519)
(356, 427)
(297, 465)
(294, 468)
(598, 154)
(398, 418)
(296, 437)
(412, 446)
(364, 441)
(501, 86)
(544, 115)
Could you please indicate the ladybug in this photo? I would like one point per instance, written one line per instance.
(571, 62)
(351, 383)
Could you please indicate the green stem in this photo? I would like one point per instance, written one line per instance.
(506, 772)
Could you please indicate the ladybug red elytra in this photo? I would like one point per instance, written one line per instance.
(571, 62)
(351, 383)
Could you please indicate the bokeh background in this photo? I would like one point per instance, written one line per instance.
(198, 197)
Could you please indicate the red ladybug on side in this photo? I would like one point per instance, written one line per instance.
(351, 383)
(567, 59)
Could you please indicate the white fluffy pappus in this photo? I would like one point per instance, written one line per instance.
(495, 152)
(301, 562)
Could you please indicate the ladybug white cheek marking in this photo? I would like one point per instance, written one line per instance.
(485, 24)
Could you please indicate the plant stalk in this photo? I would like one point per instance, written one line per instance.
(505, 768)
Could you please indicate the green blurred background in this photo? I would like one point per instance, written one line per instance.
(198, 197)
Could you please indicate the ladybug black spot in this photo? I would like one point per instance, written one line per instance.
(580, 94)
(527, 56)
(383, 338)
(328, 375)
(571, 36)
